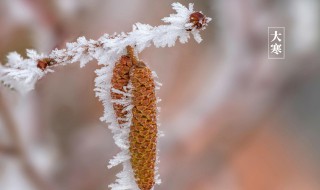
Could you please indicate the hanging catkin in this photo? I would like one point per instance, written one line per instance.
(119, 81)
(143, 131)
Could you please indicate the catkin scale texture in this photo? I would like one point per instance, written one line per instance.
(143, 130)
(120, 79)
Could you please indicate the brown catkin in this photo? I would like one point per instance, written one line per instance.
(120, 79)
(143, 130)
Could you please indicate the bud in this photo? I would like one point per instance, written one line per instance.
(45, 62)
(198, 20)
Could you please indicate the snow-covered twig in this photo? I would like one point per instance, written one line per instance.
(22, 74)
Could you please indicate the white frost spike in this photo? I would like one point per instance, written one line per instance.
(32, 54)
(182, 15)
(196, 35)
(119, 158)
(14, 59)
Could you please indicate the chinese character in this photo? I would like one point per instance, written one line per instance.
(276, 42)
(276, 48)
(276, 36)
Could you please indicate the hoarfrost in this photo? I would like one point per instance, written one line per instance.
(22, 74)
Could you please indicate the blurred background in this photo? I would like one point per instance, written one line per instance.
(233, 119)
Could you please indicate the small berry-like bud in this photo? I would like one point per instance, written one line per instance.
(198, 20)
(44, 63)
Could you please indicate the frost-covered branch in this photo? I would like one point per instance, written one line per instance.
(22, 74)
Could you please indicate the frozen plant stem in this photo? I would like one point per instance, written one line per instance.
(123, 84)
